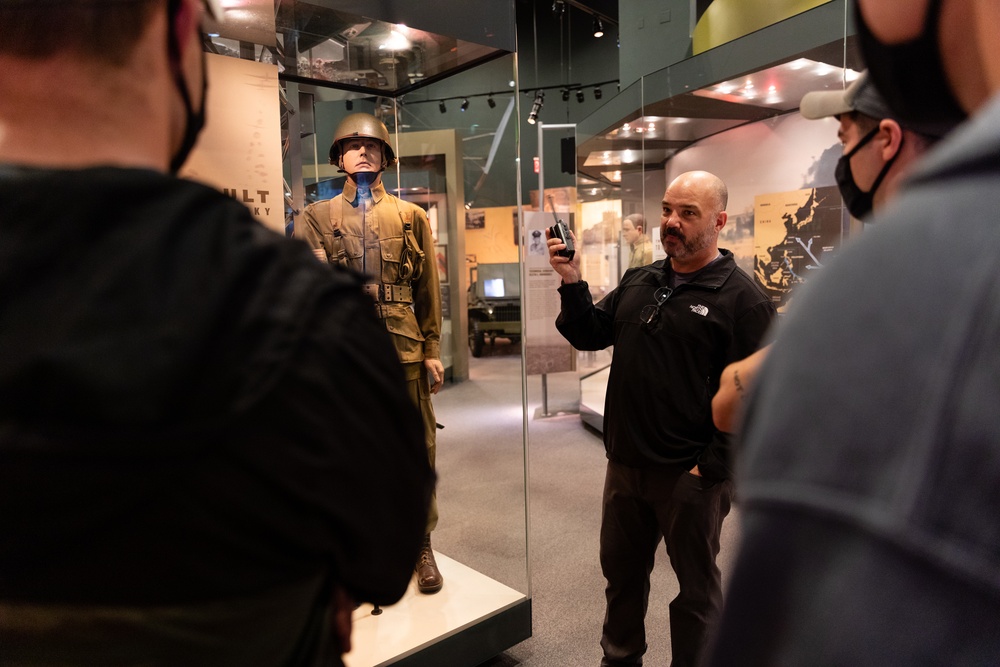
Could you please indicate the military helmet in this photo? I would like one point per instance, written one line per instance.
(362, 125)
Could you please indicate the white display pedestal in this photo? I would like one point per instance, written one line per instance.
(403, 631)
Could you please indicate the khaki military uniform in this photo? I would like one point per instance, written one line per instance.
(390, 241)
(641, 253)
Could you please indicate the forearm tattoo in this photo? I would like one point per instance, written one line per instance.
(739, 385)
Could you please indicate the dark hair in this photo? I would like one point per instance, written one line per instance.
(102, 30)
(864, 122)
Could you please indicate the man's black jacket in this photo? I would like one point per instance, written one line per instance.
(658, 407)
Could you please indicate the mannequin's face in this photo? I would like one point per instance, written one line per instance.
(361, 154)
(629, 231)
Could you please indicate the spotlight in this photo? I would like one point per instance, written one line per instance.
(598, 27)
(565, 94)
(536, 106)
(492, 102)
(441, 107)
(558, 7)
(465, 105)
(579, 95)
(349, 104)
(597, 92)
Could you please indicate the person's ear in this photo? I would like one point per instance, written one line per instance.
(185, 19)
(891, 137)
(720, 221)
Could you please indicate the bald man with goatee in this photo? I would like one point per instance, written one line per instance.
(675, 324)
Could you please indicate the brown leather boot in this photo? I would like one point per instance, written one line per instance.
(429, 579)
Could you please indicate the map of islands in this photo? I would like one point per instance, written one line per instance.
(794, 233)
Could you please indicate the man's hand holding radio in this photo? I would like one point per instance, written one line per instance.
(568, 267)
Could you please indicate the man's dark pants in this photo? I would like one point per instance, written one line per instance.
(641, 505)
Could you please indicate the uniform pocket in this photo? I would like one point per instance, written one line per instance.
(402, 323)
(332, 245)
(393, 270)
(353, 245)
(392, 248)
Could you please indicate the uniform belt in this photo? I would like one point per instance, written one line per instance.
(388, 293)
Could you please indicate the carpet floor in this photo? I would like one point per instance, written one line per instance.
(486, 518)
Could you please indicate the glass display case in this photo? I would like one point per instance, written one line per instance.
(443, 78)
(447, 93)
(731, 109)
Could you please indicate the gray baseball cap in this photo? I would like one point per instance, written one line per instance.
(860, 96)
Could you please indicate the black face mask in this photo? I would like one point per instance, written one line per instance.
(194, 121)
(910, 76)
(857, 202)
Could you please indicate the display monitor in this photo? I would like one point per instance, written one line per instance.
(498, 281)
(493, 287)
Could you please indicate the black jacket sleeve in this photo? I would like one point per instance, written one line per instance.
(584, 325)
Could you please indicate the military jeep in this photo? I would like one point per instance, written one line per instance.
(494, 305)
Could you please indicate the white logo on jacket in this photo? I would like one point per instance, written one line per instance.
(700, 309)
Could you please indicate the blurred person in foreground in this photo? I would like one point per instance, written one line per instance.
(878, 153)
(675, 324)
(193, 413)
(870, 484)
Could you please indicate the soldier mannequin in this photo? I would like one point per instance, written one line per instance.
(640, 247)
(389, 240)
